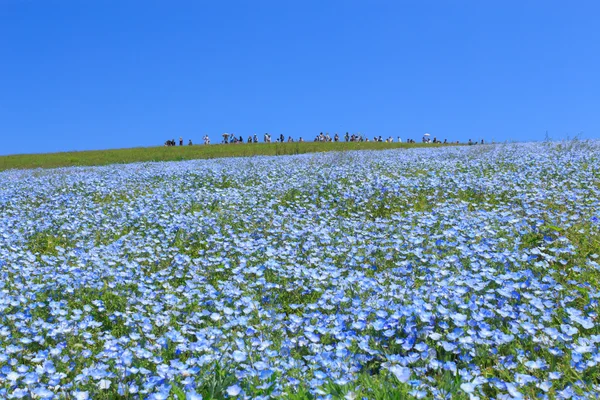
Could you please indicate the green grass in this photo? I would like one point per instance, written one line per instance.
(179, 153)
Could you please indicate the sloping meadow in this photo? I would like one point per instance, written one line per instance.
(464, 272)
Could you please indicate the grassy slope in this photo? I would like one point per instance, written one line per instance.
(140, 154)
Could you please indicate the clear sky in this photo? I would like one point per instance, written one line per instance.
(78, 75)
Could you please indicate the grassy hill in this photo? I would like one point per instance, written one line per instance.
(139, 154)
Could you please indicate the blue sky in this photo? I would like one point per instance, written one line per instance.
(79, 75)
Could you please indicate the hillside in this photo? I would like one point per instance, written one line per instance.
(141, 154)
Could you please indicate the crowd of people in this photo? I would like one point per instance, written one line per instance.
(172, 142)
(229, 138)
(360, 138)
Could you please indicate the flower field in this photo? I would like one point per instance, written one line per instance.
(462, 272)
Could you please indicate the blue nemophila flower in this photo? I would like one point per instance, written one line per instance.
(239, 356)
(192, 395)
(545, 386)
(42, 393)
(81, 395)
(20, 393)
(234, 390)
(402, 373)
(104, 384)
(468, 387)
